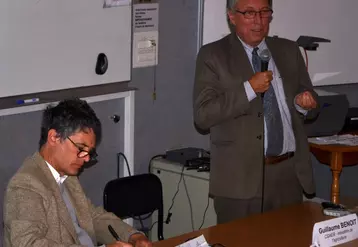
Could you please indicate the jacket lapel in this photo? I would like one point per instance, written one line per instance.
(53, 186)
(80, 203)
(281, 59)
(240, 66)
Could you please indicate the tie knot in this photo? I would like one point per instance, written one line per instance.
(254, 51)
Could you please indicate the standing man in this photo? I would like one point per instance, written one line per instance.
(45, 204)
(255, 118)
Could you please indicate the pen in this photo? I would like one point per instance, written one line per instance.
(27, 101)
(113, 232)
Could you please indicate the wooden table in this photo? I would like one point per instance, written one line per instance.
(290, 226)
(336, 156)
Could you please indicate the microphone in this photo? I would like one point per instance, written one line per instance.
(265, 57)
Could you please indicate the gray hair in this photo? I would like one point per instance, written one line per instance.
(230, 4)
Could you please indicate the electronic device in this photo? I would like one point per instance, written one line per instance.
(331, 117)
(336, 210)
(184, 155)
(310, 43)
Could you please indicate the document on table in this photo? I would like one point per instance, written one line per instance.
(348, 139)
(196, 242)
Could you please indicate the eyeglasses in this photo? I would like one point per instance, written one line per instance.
(251, 14)
(83, 153)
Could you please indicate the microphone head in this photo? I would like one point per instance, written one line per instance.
(265, 55)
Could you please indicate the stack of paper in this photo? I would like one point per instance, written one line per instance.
(350, 140)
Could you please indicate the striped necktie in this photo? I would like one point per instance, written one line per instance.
(272, 114)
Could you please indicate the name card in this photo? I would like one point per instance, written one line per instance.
(335, 231)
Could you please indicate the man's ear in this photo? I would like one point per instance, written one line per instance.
(52, 137)
(231, 17)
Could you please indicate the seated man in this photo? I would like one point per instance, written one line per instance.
(45, 204)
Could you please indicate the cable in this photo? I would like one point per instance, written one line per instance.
(154, 94)
(140, 218)
(118, 161)
(167, 221)
(151, 227)
(190, 205)
(154, 157)
(206, 209)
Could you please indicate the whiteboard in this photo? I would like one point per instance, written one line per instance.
(333, 63)
(48, 45)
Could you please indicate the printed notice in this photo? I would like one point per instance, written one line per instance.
(335, 231)
(115, 3)
(145, 17)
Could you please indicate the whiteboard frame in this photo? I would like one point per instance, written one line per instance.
(129, 121)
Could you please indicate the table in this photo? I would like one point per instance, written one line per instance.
(336, 156)
(289, 226)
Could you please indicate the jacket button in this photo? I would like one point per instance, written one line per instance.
(259, 137)
(259, 114)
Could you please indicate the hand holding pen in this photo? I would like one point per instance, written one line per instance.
(119, 243)
(137, 240)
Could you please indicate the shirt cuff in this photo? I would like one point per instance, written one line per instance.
(250, 93)
(300, 109)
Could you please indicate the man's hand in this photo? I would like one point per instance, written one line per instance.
(306, 100)
(261, 81)
(139, 240)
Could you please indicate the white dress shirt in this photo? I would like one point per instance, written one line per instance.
(289, 144)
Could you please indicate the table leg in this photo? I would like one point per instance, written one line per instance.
(336, 167)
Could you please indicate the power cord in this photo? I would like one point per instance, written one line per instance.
(154, 157)
(190, 205)
(167, 221)
(206, 209)
(118, 162)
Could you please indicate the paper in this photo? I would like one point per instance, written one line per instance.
(196, 242)
(145, 17)
(145, 49)
(349, 140)
(335, 231)
(115, 3)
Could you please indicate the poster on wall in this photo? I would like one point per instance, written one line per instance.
(145, 16)
(145, 33)
(115, 3)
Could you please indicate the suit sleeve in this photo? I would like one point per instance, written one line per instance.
(101, 220)
(216, 101)
(25, 219)
(305, 82)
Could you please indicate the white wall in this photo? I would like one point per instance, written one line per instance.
(332, 63)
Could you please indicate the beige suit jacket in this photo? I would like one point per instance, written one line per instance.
(237, 125)
(36, 215)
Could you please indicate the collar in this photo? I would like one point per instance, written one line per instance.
(249, 48)
(59, 179)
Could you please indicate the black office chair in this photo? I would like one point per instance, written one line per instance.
(134, 196)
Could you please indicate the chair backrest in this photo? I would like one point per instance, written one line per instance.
(135, 195)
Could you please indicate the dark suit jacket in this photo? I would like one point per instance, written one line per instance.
(236, 125)
(36, 215)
